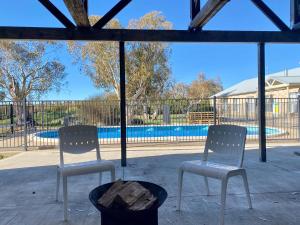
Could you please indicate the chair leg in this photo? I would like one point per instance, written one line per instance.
(113, 174)
(57, 183)
(223, 199)
(65, 196)
(206, 185)
(246, 185)
(180, 178)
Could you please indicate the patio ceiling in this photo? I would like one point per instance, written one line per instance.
(200, 16)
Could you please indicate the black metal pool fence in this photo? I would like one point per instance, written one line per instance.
(22, 123)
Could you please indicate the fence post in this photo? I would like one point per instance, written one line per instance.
(247, 110)
(215, 110)
(11, 115)
(33, 117)
(273, 117)
(42, 115)
(166, 114)
(25, 124)
(298, 117)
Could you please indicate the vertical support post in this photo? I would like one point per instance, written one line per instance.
(298, 111)
(123, 103)
(215, 110)
(25, 124)
(261, 102)
(11, 115)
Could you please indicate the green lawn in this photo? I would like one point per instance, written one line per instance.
(5, 121)
(55, 119)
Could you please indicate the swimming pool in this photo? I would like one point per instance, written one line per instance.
(160, 131)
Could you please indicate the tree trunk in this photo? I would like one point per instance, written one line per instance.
(20, 117)
(130, 112)
(146, 111)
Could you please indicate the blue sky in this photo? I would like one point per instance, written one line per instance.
(231, 62)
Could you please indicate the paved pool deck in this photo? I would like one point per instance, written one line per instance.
(27, 185)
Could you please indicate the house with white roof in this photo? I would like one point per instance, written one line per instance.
(283, 84)
(282, 91)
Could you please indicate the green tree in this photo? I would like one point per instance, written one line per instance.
(204, 88)
(147, 65)
(148, 70)
(177, 91)
(99, 60)
(27, 69)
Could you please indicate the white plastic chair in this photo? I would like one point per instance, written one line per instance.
(76, 140)
(228, 140)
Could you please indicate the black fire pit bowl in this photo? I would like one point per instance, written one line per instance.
(128, 217)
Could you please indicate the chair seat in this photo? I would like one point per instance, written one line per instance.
(85, 167)
(210, 169)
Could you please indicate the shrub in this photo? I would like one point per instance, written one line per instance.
(137, 121)
(100, 112)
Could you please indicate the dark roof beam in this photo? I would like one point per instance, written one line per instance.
(271, 15)
(38, 33)
(57, 13)
(111, 13)
(195, 8)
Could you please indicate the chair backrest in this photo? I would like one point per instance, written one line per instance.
(78, 139)
(228, 140)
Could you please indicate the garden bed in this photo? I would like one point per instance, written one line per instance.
(4, 155)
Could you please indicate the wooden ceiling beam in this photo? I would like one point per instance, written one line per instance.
(111, 13)
(86, 6)
(78, 12)
(57, 13)
(271, 15)
(208, 11)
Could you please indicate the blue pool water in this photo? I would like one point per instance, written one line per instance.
(159, 131)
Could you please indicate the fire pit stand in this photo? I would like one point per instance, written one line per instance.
(127, 217)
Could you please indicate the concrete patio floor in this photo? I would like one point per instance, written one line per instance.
(27, 184)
